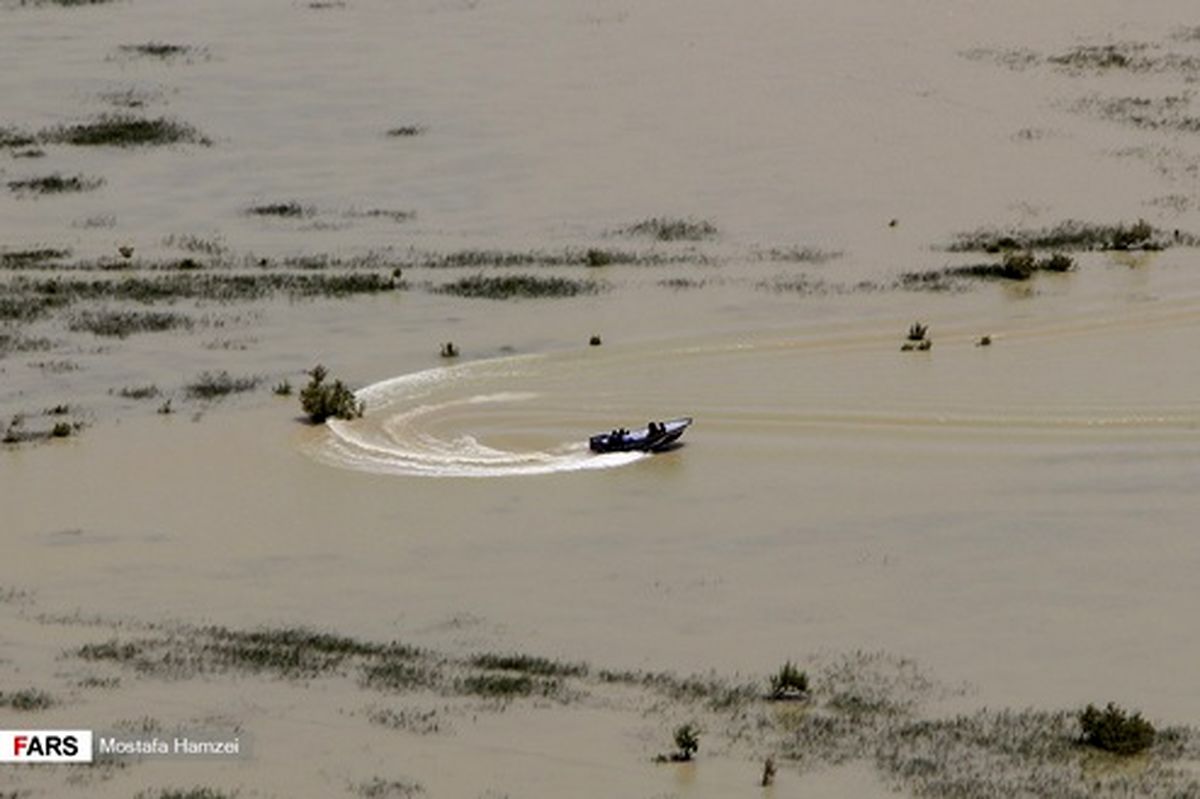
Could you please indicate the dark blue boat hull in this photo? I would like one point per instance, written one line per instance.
(641, 440)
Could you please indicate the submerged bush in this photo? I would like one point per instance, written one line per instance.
(1113, 730)
(687, 742)
(514, 286)
(665, 228)
(213, 386)
(55, 184)
(321, 400)
(789, 682)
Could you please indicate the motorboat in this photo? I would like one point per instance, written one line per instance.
(654, 437)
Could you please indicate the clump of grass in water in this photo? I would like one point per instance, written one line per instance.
(55, 184)
(687, 743)
(680, 283)
(1014, 265)
(379, 788)
(1102, 57)
(214, 247)
(161, 50)
(34, 258)
(799, 255)
(320, 400)
(662, 228)
(592, 256)
(37, 296)
(121, 324)
(528, 664)
(1114, 730)
(210, 385)
(14, 138)
(1069, 235)
(198, 792)
(139, 392)
(125, 130)
(28, 700)
(285, 210)
(20, 306)
(420, 722)
(518, 286)
(788, 683)
(406, 131)
(507, 686)
(399, 672)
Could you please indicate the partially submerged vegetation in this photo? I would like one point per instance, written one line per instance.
(1114, 730)
(860, 706)
(34, 258)
(1068, 236)
(289, 209)
(125, 130)
(120, 324)
(1013, 266)
(56, 183)
(664, 228)
(518, 287)
(215, 385)
(27, 700)
(160, 50)
(320, 400)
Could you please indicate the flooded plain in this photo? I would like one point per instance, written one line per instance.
(749, 207)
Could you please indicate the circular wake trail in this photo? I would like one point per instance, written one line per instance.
(399, 434)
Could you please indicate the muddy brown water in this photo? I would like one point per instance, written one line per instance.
(1019, 518)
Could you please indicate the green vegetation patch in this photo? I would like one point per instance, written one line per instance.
(26, 307)
(139, 392)
(379, 788)
(161, 50)
(509, 287)
(529, 664)
(14, 138)
(214, 385)
(28, 700)
(55, 184)
(400, 672)
(189, 282)
(799, 255)
(406, 131)
(1070, 235)
(121, 324)
(663, 228)
(33, 258)
(198, 792)
(320, 400)
(285, 210)
(1014, 266)
(592, 256)
(125, 130)
(507, 686)
(1115, 730)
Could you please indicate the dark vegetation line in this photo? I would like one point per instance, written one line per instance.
(861, 706)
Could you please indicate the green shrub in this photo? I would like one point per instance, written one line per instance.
(1018, 265)
(1113, 730)
(687, 742)
(321, 400)
(1056, 262)
(789, 682)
